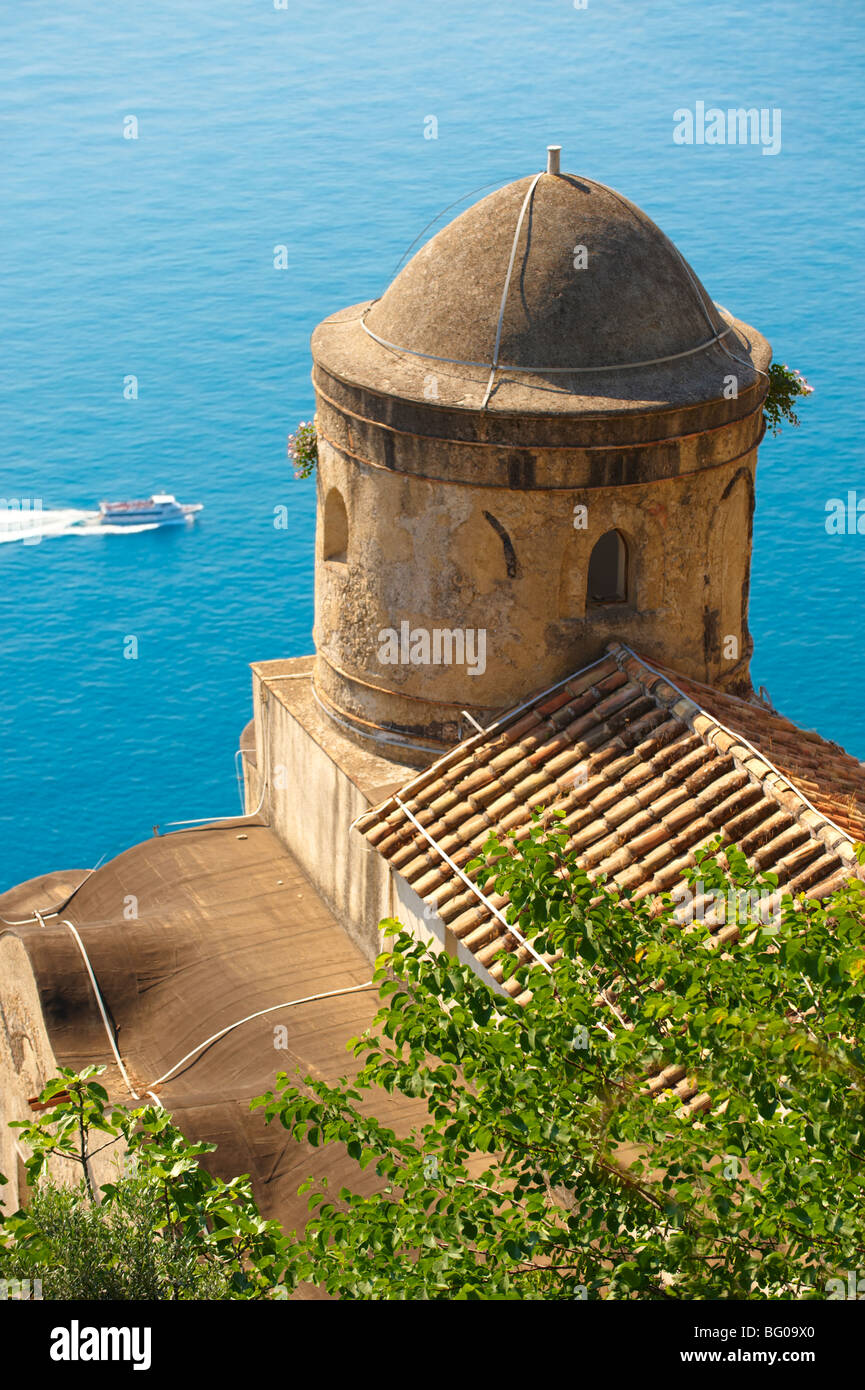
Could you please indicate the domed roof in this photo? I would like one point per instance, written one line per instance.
(552, 294)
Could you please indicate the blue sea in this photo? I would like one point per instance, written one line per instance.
(303, 126)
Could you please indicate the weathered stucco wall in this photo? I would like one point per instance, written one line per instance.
(318, 782)
(513, 564)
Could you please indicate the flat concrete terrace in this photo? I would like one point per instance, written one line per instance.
(227, 924)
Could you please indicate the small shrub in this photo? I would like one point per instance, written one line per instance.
(166, 1228)
(785, 386)
(303, 449)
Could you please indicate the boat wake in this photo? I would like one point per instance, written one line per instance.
(30, 526)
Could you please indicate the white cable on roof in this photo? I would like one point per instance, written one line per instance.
(208, 820)
(461, 199)
(205, 820)
(238, 753)
(287, 1004)
(475, 889)
(529, 191)
(54, 911)
(745, 362)
(98, 995)
(93, 981)
(495, 365)
(569, 371)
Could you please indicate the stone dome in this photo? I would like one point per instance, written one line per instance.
(507, 284)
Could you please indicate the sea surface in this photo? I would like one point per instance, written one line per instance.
(303, 126)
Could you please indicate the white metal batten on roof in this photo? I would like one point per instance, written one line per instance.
(512, 714)
(470, 717)
(490, 729)
(475, 889)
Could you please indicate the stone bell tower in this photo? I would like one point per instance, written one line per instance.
(542, 436)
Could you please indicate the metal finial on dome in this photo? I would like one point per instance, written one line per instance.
(553, 154)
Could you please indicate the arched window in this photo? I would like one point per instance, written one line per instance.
(608, 570)
(335, 545)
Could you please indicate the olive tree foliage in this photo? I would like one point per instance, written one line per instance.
(545, 1168)
(165, 1228)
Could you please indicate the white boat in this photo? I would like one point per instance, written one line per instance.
(162, 509)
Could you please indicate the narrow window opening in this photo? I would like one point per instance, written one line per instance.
(608, 570)
(335, 545)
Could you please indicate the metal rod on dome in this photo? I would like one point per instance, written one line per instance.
(553, 156)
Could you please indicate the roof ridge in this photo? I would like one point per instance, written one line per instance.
(636, 806)
(744, 753)
(767, 708)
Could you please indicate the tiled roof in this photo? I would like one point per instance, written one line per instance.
(645, 775)
(831, 778)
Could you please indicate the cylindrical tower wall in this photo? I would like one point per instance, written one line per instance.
(447, 595)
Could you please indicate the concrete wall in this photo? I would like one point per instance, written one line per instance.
(27, 1063)
(310, 802)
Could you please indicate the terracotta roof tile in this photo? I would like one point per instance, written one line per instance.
(647, 766)
(829, 777)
